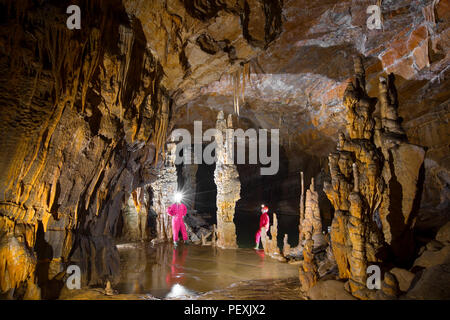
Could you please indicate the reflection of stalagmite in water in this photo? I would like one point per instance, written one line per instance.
(134, 267)
(163, 257)
(228, 185)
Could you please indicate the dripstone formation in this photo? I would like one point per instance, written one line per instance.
(373, 170)
(164, 189)
(311, 231)
(227, 181)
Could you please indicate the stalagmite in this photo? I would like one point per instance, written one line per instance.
(302, 211)
(308, 269)
(270, 245)
(228, 185)
(311, 230)
(401, 172)
(135, 216)
(164, 189)
(312, 221)
(361, 183)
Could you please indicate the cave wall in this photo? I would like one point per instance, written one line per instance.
(298, 82)
(84, 114)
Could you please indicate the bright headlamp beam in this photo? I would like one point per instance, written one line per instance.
(178, 196)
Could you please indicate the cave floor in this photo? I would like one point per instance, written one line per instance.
(198, 272)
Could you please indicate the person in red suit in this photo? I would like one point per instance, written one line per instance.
(177, 211)
(264, 222)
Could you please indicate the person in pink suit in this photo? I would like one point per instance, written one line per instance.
(264, 222)
(177, 211)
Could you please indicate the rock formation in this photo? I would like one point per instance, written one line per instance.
(308, 270)
(135, 216)
(362, 190)
(401, 173)
(227, 181)
(311, 231)
(270, 245)
(312, 222)
(85, 114)
(164, 189)
(301, 236)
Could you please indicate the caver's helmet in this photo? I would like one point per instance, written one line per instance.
(264, 208)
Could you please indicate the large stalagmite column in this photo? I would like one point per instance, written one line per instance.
(164, 189)
(311, 230)
(302, 211)
(228, 185)
(374, 176)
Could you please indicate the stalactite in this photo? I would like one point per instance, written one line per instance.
(162, 124)
(239, 86)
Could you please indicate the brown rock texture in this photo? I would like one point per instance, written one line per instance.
(270, 245)
(364, 186)
(135, 215)
(298, 82)
(164, 188)
(85, 115)
(85, 112)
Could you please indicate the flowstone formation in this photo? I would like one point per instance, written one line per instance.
(364, 183)
(227, 181)
(135, 215)
(164, 189)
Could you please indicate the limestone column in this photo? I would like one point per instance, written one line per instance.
(302, 212)
(312, 220)
(227, 181)
(164, 189)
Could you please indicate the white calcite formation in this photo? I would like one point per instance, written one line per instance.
(228, 185)
(164, 189)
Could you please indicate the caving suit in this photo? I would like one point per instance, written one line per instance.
(177, 211)
(263, 223)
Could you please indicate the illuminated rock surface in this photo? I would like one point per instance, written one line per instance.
(85, 116)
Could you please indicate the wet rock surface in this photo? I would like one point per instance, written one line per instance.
(196, 272)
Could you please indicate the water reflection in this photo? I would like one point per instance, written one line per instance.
(175, 276)
(186, 271)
